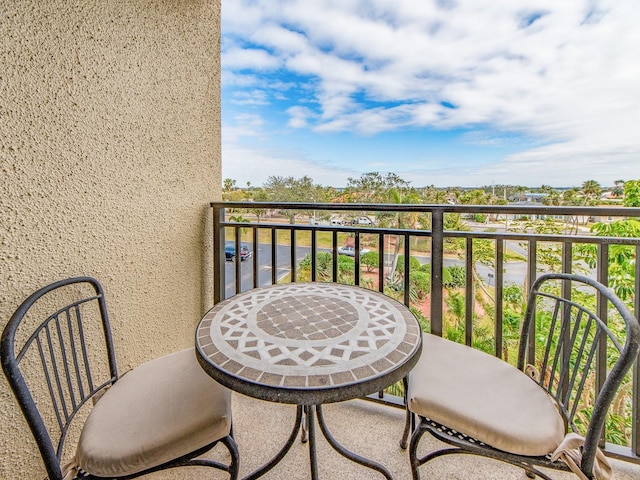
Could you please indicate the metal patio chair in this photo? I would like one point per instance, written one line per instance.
(163, 414)
(530, 416)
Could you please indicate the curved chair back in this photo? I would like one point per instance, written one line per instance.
(53, 354)
(573, 343)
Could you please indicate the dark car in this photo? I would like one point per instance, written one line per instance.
(230, 251)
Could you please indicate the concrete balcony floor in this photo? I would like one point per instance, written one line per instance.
(367, 428)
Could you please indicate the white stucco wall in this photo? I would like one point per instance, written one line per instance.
(109, 155)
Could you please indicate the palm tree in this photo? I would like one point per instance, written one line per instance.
(591, 189)
(401, 220)
(229, 184)
(618, 188)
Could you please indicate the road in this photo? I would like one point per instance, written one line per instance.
(264, 268)
(514, 272)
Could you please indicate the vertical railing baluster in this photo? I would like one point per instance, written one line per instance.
(334, 259)
(255, 261)
(219, 281)
(437, 263)
(381, 260)
(274, 256)
(499, 277)
(567, 256)
(314, 261)
(407, 270)
(469, 300)
(293, 246)
(601, 309)
(635, 400)
(356, 258)
(238, 259)
(532, 274)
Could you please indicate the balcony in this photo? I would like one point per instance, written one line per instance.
(495, 252)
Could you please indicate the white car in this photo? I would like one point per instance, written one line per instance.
(351, 251)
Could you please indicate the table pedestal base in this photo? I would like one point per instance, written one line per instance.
(310, 414)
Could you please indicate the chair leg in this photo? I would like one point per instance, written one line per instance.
(234, 464)
(404, 441)
(408, 423)
(414, 461)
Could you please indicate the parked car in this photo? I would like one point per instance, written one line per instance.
(350, 250)
(230, 252)
(362, 221)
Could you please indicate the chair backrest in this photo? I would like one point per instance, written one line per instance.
(57, 353)
(581, 339)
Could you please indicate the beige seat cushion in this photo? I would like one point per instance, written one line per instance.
(159, 411)
(484, 397)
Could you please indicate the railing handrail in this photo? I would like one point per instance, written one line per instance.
(513, 236)
(448, 208)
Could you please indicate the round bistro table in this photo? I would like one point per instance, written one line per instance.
(309, 344)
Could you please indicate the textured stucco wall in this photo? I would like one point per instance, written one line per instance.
(110, 153)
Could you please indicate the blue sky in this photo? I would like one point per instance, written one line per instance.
(441, 92)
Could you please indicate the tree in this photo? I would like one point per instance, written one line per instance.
(228, 185)
(591, 190)
(370, 260)
(552, 198)
(373, 187)
(259, 196)
(240, 219)
(548, 253)
(476, 197)
(324, 268)
(570, 197)
(400, 220)
(621, 257)
(290, 189)
(632, 193)
(618, 188)
(455, 223)
(434, 195)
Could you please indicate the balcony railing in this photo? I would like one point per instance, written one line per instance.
(500, 250)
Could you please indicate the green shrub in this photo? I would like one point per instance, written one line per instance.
(421, 281)
(370, 260)
(457, 276)
(414, 264)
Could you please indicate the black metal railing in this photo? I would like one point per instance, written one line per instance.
(282, 235)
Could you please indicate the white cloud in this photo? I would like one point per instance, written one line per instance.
(299, 116)
(253, 97)
(244, 125)
(249, 58)
(566, 73)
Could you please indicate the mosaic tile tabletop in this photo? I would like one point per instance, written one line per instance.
(307, 337)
